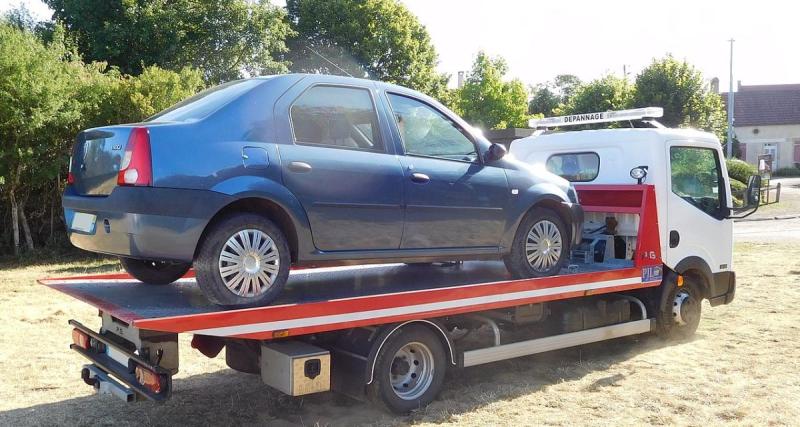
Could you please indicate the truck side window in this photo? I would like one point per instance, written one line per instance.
(427, 132)
(575, 167)
(336, 116)
(695, 176)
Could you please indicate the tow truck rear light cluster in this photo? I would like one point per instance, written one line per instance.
(148, 378)
(81, 339)
(137, 167)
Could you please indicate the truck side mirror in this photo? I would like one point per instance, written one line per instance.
(753, 192)
(752, 198)
(495, 152)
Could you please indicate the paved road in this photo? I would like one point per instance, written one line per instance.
(779, 230)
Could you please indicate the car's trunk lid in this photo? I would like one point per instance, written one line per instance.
(96, 160)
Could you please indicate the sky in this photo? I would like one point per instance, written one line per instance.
(540, 39)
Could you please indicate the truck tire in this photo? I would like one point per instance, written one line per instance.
(243, 261)
(409, 370)
(541, 245)
(154, 272)
(680, 310)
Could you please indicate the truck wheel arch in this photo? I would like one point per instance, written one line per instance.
(387, 332)
(698, 270)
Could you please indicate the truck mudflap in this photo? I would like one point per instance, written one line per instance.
(117, 370)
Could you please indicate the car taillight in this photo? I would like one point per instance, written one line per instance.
(148, 378)
(81, 339)
(70, 176)
(136, 168)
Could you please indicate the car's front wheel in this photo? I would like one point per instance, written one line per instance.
(541, 246)
(154, 272)
(243, 261)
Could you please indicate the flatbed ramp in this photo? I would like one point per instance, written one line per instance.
(326, 299)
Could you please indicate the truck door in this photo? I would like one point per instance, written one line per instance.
(341, 169)
(697, 206)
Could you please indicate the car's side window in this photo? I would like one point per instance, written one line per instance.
(575, 167)
(427, 132)
(336, 116)
(695, 176)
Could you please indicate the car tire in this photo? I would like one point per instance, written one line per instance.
(243, 276)
(154, 272)
(546, 230)
(409, 370)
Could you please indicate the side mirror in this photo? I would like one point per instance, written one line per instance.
(752, 195)
(752, 198)
(495, 152)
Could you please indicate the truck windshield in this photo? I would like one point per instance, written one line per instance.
(206, 102)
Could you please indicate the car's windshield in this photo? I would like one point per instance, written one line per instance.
(205, 102)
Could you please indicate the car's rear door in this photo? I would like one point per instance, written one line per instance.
(339, 165)
(453, 200)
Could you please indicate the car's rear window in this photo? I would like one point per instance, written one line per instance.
(205, 102)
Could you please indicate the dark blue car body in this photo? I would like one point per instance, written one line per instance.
(335, 204)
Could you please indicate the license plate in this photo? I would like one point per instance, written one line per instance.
(83, 222)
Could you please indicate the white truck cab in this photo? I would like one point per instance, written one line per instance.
(686, 167)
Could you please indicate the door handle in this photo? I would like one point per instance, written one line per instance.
(420, 178)
(674, 238)
(299, 167)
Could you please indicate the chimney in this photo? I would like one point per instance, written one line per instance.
(738, 86)
(715, 85)
(461, 79)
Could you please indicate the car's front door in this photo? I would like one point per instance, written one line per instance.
(452, 199)
(339, 168)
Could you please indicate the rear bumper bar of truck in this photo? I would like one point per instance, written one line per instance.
(110, 359)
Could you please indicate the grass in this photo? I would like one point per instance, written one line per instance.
(741, 369)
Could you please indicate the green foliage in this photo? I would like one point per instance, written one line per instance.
(47, 95)
(546, 97)
(606, 93)
(740, 170)
(680, 90)
(224, 39)
(790, 171)
(379, 39)
(489, 102)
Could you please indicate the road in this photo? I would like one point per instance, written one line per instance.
(770, 231)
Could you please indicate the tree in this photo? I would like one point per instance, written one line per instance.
(546, 97)
(378, 39)
(679, 88)
(604, 94)
(487, 101)
(225, 39)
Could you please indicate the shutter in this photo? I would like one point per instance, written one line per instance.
(797, 152)
(743, 151)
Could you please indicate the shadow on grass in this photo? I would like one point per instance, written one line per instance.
(108, 266)
(230, 398)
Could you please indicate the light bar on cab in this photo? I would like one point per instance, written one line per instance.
(601, 117)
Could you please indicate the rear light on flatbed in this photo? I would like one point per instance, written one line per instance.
(81, 339)
(137, 167)
(148, 378)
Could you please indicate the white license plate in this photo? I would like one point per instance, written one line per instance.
(83, 222)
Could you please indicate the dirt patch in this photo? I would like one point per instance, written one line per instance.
(742, 368)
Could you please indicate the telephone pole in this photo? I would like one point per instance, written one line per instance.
(730, 108)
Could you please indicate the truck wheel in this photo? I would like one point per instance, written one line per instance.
(541, 245)
(154, 272)
(243, 261)
(409, 370)
(680, 314)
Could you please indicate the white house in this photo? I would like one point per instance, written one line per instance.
(767, 121)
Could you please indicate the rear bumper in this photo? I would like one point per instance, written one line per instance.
(143, 222)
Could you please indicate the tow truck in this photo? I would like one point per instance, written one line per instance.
(656, 243)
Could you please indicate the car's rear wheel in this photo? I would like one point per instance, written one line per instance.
(154, 272)
(243, 261)
(541, 246)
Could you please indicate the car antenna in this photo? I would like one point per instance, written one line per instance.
(328, 60)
